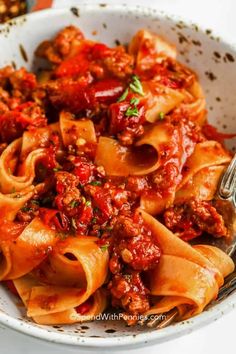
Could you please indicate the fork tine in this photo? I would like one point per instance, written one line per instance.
(170, 318)
(155, 321)
(158, 323)
(142, 321)
(228, 284)
(228, 290)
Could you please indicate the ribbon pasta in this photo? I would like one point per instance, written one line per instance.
(93, 154)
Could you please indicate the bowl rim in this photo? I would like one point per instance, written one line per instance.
(143, 338)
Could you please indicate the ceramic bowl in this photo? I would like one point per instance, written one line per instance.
(206, 53)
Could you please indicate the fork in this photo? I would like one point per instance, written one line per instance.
(226, 199)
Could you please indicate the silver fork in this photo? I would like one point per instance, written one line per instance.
(226, 203)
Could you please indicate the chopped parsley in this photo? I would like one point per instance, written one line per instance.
(161, 115)
(74, 203)
(128, 277)
(62, 235)
(88, 203)
(103, 248)
(35, 202)
(136, 85)
(94, 220)
(96, 183)
(83, 200)
(134, 101)
(56, 169)
(25, 209)
(123, 96)
(132, 111)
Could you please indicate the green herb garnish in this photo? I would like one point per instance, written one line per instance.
(94, 220)
(96, 183)
(33, 201)
(62, 235)
(136, 85)
(88, 203)
(132, 111)
(161, 115)
(103, 248)
(134, 101)
(74, 203)
(123, 96)
(56, 169)
(25, 209)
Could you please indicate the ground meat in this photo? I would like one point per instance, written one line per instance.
(82, 94)
(136, 185)
(28, 212)
(24, 116)
(165, 177)
(134, 246)
(206, 217)
(119, 63)
(193, 218)
(129, 292)
(133, 250)
(22, 83)
(69, 196)
(5, 74)
(61, 46)
(17, 84)
(126, 228)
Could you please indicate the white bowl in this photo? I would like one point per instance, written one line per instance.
(212, 59)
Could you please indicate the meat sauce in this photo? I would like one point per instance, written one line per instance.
(90, 80)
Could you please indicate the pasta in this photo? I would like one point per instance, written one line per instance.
(108, 170)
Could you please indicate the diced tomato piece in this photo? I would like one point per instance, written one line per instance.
(83, 169)
(73, 66)
(107, 91)
(101, 199)
(26, 115)
(119, 121)
(86, 215)
(74, 96)
(77, 64)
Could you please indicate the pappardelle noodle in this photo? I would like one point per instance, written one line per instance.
(108, 169)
